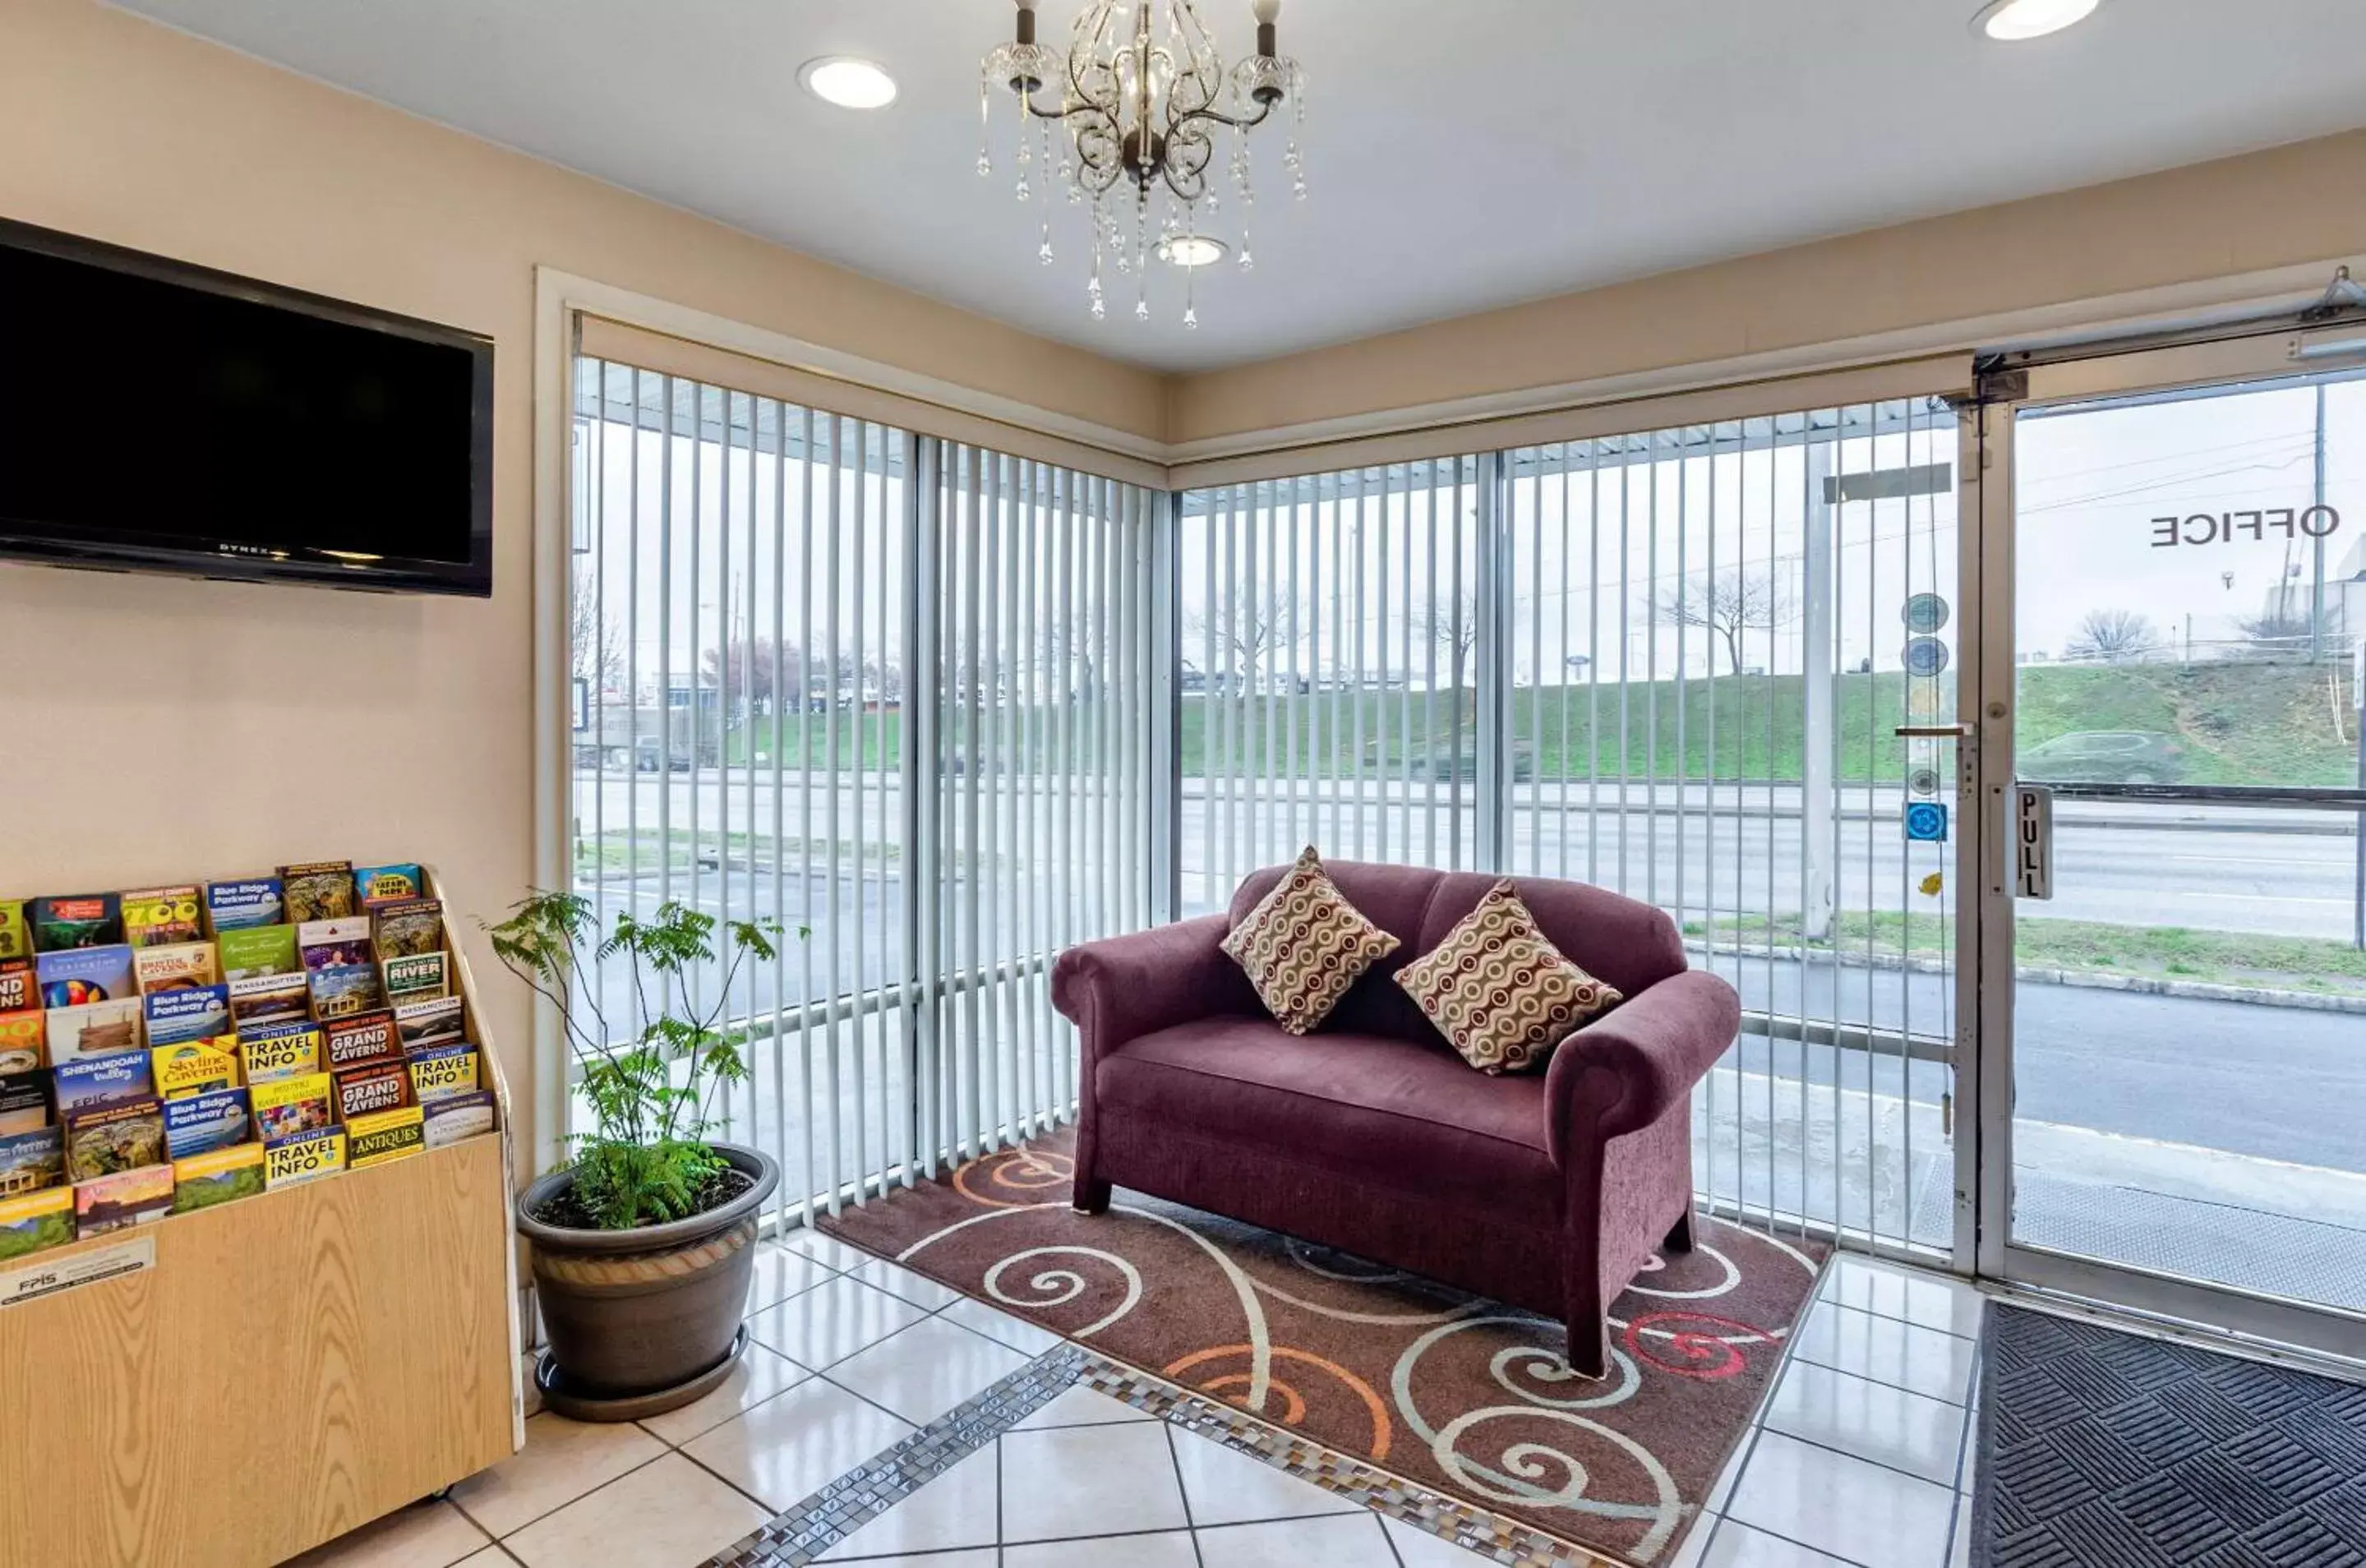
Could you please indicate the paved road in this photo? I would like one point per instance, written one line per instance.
(2201, 870)
(2279, 1083)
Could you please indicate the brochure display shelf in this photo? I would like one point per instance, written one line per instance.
(279, 1370)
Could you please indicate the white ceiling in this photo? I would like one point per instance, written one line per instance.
(1463, 153)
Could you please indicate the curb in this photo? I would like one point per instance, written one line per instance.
(2084, 979)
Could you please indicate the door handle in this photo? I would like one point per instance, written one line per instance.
(1934, 731)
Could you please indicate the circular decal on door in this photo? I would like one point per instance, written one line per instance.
(1923, 781)
(1925, 656)
(1924, 613)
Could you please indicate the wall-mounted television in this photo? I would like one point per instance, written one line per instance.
(159, 416)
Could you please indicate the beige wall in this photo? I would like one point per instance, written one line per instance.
(152, 727)
(2304, 203)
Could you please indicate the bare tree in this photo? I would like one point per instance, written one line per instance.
(1728, 604)
(1454, 627)
(1068, 657)
(2276, 633)
(746, 665)
(1252, 636)
(596, 646)
(2111, 636)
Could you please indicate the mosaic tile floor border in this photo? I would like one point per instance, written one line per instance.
(862, 1493)
(819, 1523)
(1490, 1535)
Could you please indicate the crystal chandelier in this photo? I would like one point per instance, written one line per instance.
(1139, 100)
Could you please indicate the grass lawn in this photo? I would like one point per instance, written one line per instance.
(2225, 958)
(615, 852)
(2237, 722)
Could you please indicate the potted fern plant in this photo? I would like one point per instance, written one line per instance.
(643, 1237)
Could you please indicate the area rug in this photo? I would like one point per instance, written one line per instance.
(2104, 1449)
(1446, 1390)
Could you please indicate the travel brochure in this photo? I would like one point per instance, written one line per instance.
(168, 1049)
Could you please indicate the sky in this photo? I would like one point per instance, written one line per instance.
(1372, 574)
(2093, 485)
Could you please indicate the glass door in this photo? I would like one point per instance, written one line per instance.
(2174, 968)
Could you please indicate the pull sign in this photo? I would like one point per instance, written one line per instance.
(2033, 840)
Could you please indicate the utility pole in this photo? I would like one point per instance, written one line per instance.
(2357, 690)
(2317, 595)
(1818, 805)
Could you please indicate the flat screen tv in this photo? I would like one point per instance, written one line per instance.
(158, 416)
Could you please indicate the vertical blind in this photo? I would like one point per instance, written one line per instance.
(1329, 671)
(879, 687)
(1708, 653)
(1039, 827)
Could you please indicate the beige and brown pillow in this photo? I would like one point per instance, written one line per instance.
(1304, 945)
(1499, 991)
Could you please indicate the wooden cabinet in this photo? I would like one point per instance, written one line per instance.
(291, 1365)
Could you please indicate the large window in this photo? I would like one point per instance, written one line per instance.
(1715, 634)
(954, 710)
(885, 689)
(1671, 663)
(1037, 623)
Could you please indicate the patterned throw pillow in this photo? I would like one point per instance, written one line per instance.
(1304, 945)
(1499, 991)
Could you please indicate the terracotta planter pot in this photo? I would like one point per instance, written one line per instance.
(642, 1321)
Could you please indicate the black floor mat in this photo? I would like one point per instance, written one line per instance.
(2104, 1449)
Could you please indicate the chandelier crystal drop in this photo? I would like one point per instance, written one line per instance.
(1139, 97)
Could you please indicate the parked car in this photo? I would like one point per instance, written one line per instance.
(2105, 756)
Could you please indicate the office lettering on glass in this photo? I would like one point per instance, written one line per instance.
(2225, 527)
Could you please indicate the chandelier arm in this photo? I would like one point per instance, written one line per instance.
(1068, 111)
(1188, 188)
(1238, 122)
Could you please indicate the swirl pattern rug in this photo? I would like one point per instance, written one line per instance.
(1452, 1392)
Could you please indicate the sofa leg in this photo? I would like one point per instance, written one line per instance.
(1589, 1347)
(1681, 1238)
(1090, 1196)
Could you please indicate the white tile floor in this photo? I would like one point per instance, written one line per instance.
(1861, 1457)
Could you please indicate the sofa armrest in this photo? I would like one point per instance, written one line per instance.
(1123, 987)
(1628, 1068)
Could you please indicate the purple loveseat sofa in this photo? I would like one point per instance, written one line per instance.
(1547, 1191)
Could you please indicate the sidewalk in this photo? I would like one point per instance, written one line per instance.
(2258, 1225)
(2028, 974)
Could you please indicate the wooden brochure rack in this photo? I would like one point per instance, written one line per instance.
(291, 1365)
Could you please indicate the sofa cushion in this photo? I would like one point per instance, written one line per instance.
(1387, 1112)
(1304, 944)
(1624, 941)
(1392, 898)
(1501, 995)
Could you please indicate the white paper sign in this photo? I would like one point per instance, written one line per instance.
(32, 1281)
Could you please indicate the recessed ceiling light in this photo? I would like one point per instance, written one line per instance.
(848, 83)
(2011, 21)
(1191, 250)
